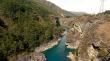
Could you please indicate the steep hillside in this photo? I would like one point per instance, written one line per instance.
(57, 10)
(24, 25)
(89, 34)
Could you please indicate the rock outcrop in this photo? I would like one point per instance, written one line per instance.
(92, 38)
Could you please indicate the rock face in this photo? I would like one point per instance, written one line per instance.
(71, 56)
(92, 53)
(92, 38)
(73, 37)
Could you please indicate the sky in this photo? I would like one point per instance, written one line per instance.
(88, 6)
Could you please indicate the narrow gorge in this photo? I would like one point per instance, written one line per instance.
(39, 30)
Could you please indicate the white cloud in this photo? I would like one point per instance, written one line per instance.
(89, 6)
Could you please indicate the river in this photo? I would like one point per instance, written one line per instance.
(58, 52)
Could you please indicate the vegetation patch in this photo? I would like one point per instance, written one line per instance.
(28, 26)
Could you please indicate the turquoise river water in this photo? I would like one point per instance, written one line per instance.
(58, 52)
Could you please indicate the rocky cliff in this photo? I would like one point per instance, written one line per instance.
(90, 36)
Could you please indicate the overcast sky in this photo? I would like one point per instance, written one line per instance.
(89, 6)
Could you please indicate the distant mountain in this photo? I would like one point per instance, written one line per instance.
(54, 8)
(79, 13)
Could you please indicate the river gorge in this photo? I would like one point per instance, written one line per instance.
(58, 52)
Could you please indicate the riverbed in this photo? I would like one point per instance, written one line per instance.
(58, 52)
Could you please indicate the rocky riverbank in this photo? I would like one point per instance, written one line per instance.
(37, 55)
(72, 56)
